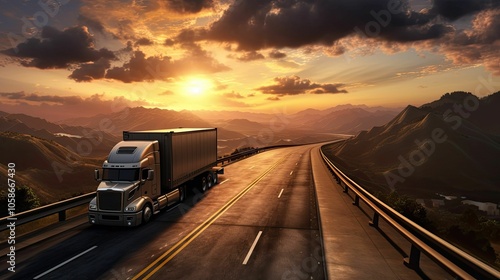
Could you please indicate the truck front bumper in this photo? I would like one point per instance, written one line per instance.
(115, 219)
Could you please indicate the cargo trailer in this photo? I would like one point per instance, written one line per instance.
(153, 169)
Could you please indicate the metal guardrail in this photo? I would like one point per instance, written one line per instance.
(252, 152)
(239, 155)
(449, 257)
(61, 207)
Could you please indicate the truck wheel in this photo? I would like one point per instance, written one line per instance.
(182, 193)
(216, 178)
(210, 181)
(146, 214)
(203, 184)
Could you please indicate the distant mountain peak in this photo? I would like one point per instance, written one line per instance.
(431, 121)
(408, 115)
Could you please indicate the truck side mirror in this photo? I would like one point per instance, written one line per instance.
(97, 176)
(147, 175)
(151, 175)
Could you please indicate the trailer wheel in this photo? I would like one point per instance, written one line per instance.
(216, 178)
(146, 214)
(182, 193)
(203, 184)
(210, 180)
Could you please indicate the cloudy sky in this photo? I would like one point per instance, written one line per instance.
(66, 58)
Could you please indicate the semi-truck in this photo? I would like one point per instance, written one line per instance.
(151, 170)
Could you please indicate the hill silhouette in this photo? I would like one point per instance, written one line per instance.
(427, 150)
(84, 140)
(50, 169)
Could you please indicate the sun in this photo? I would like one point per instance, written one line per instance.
(196, 86)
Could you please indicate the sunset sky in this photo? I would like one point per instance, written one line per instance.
(78, 57)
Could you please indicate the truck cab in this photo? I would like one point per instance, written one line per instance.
(127, 185)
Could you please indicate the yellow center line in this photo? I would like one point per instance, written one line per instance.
(180, 245)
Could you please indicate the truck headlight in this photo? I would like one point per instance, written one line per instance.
(130, 209)
(92, 206)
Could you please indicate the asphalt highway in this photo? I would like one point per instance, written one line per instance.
(260, 222)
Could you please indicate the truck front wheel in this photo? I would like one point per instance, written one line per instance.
(182, 193)
(146, 214)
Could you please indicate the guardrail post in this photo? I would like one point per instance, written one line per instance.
(374, 221)
(62, 216)
(356, 200)
(413, 261)
(346, 188)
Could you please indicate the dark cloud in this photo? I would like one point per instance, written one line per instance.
(262, 24)
(41, 98)
(273, 98)
(141, 68)
(169, 42)
(455, 9)
(294, 85)
(417, 33)
(250, 56)
(277, 54)
(55, 108)
(143, 42)
(189, 6)
(91, 71)
(59, 49)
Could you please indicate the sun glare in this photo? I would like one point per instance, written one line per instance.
(197, 86)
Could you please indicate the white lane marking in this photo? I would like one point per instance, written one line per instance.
(251, 248)
(252, 167)
(64, 263)
(223, 181)
(291, 173)
(281, 192)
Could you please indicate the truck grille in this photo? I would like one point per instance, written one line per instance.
(110, 200)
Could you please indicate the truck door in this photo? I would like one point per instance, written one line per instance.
(154, 182)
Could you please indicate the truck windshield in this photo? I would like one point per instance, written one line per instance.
(115, 174)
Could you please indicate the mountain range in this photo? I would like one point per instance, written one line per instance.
(57, 159)
(47, 167)
(84, 140)
(450, 146)
(345, 118)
